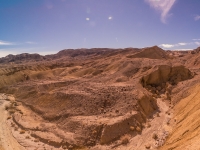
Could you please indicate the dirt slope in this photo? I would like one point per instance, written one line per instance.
(7, 141)
(186, 129)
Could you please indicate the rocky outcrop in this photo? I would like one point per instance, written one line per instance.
(164, 74)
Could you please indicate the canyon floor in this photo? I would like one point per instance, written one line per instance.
(101, 99)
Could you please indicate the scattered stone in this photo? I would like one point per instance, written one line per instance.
(138, 129)
(132, 128)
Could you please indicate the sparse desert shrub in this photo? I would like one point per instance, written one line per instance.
(155, 136)
(27, 137)
(16, 104)
(22, 132)
(17, 109)
(125, 139)
(12, 124)
(117, 111)
(148, 125)
(16, 128)
(13, 103)
(36, 140)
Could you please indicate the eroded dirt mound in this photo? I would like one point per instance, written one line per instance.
(151, 52)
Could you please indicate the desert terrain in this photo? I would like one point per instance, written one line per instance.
(101, 99)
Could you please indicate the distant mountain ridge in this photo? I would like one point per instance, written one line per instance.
(153, 52)
(64, 53)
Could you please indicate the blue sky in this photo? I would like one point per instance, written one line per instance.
(47, 26)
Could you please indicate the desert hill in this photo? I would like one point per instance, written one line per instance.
(21, 57)
(151, 52)
(104, 98)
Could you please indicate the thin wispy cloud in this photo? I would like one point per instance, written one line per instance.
(183, 49)
(179, 44)
(6, 43)
(182, 44)
(197, 43)
(30, 42)
(166, 45)
(39, 50)
(196, 39)
(174, 45)
(197, 17)
(163, 6)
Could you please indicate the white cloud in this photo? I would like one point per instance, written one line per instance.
(166, 45)
(30, 42)
(110, 18)
(182, 44)
(197, 43)
(183, 49)
(5, 43)
(174, 45)
(197, 17)
(87, 19)
(163, 6)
